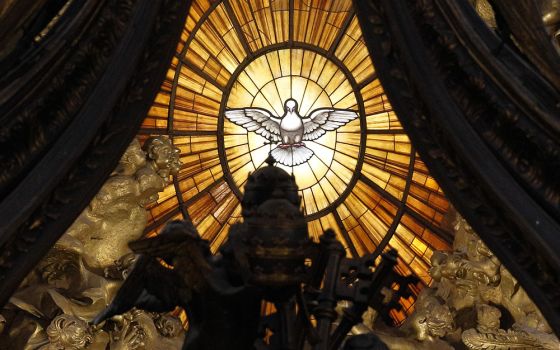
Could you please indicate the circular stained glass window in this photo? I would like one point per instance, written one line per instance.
(326, 112)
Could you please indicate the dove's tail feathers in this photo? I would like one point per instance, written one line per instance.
(291, 156)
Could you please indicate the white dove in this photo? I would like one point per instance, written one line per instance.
(291, 129)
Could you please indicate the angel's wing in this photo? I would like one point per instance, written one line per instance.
(325, 119)
(256, 119)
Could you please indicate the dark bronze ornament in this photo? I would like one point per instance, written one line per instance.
(267, 258)
(274, 232)
(276, 236)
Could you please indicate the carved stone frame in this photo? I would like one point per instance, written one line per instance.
(482, 118)
(69, 109)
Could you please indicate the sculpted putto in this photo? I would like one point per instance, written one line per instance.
(469, 272)
(69, 333)
(119, 205)
(81, 274)
(551, 20)
(426, 328)
(474, 302)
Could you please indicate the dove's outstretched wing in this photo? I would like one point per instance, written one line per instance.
(325, 119)
(256, 119)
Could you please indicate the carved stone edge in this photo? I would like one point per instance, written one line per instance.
(29, 241)
(43, 92)
(519, 248)
(505, 99)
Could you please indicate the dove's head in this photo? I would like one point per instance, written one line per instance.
(290, 105)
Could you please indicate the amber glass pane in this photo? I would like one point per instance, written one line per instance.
(319, 22)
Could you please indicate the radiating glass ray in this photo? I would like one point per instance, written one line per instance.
(318, 23)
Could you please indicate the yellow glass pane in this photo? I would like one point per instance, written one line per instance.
(349, 161)
(259, 72)
(406, 235)
(188, 188)
(259, 156)
(231, 141)
(265, 23)
(334, 83)
(208, 228)
(217, 171)
(272, 93)
(320, 197)
(301, 19)
(375, 227)
(318, 23)
(364, 70)
(368, 195)
(318, 68)
(342, 171)
(226, 207)
(349, 39)
(343, 212)
(311, 93)
(315, 229)
(404, 251)
(304, 176)
(355, 206)
(357, 244)
(247, 83)
(201, 208)
(323, 153)
(318, 167)
(347, 139)
(350, 223)
(203, 180)
(327, 186)
(419, 247)
(284, 86)
(239, 97)
(358, 62)
(297, 61)
(337, 183)
(196, 11)
(358, 234)
(309, 202)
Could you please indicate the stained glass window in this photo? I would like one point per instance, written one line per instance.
(364, 178)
